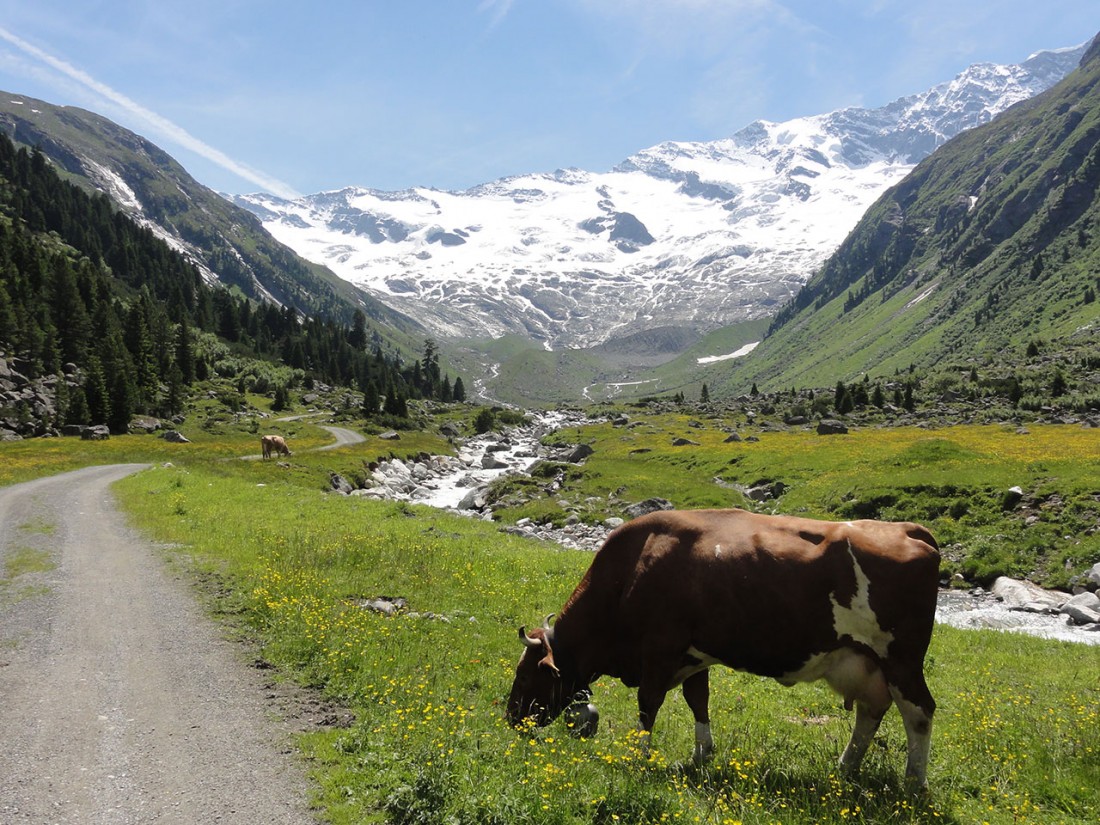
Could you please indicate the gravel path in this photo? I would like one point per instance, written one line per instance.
(120, 701)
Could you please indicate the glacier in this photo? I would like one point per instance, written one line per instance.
(695, 235)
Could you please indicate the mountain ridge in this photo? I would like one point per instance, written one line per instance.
(228, 244)
(695, 235)
(990, 247)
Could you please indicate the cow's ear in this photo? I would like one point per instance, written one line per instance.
(548, 659)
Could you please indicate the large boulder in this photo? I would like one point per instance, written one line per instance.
(1084, 608)
(573, 454)
(1028, 597)
(830, 426)
(96, 432)
(491, 462)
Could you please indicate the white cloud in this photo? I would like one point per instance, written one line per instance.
(156, 123)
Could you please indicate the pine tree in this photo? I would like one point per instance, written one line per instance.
(372, 399)
(459, 390)
(185, 356)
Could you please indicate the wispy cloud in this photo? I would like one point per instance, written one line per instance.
(498, 8)
(157, 124)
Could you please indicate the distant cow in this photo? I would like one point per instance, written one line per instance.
(273, 442)
(674, 592)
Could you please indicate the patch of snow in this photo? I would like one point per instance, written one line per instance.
(743, 351)
(922, 296)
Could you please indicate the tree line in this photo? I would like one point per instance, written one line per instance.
(82, 284)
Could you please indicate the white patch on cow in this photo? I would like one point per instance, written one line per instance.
(683, 673)
(704, 744)
(858, 620)
(717, 551)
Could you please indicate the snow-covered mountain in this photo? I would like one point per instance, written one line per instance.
(697, 235)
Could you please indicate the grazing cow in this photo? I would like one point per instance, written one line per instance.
(273, 442)
(674, 592)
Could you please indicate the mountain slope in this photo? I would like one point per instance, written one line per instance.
(227, 243)
(991, 244)
(692, 235)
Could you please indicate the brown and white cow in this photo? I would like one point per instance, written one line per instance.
(674, 592)
(276, 443)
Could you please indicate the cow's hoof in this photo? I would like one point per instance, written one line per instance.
(582, 719)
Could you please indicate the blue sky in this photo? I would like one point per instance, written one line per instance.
(294, 97)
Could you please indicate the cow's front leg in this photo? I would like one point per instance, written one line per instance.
(651, 695)
(697, 694)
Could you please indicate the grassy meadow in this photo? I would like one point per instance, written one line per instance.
(1017, 736)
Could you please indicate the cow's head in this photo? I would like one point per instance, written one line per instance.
(541, 690)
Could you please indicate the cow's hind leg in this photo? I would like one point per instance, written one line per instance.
(861, 682)
(697, 694)
(917, 707)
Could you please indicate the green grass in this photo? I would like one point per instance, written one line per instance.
(1017, 736)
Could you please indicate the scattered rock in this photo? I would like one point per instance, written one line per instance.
(1012, 497)
(175, 437)
(1093, 576)
(649, 505)
(340, 484)
(96, 432)
(684, 442)
(830, 426)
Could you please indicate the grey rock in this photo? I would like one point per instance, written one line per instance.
(649, 505)
(491, 462)
(1028, 597)
(830, 426)
(1093, 576)
(1083, 608)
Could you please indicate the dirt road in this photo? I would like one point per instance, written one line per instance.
(120, 702)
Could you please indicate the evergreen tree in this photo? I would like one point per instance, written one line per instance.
(843, 402)
(372, 399)
(174, 398)
(1058, 385)
(459, 390)
(704, 395)
(77, 410)
(357, 337)
(95, 392)
(281, 400)
(484, 421)
(877, 397)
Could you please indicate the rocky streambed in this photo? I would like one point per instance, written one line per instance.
(460, 483)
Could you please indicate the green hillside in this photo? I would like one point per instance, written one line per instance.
(224, 239)
(991, 245)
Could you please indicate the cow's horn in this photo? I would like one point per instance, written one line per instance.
(546, 621)
(527, 640)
